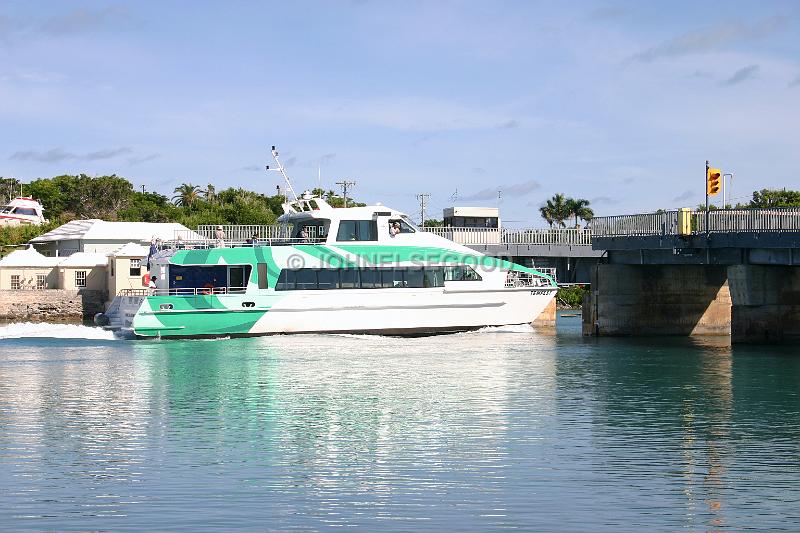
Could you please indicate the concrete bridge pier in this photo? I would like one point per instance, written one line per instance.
(766, 303)
(658, 300)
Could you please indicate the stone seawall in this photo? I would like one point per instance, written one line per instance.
(50, 304)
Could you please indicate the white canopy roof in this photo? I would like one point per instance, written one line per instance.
(130, 250)
(28, 257)
(84, 259)
(100, 230)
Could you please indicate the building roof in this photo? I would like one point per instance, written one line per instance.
(28, 257)
(83, 259)
(130, 249)
(101, 230)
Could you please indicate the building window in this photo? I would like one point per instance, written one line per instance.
(41, 281)
(15, 284)
(136, 267)
(80, 278)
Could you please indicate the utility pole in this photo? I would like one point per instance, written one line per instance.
(423, 204)
(142, 189)
(345, 185)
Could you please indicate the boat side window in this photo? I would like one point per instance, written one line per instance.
(404, 226)
(306, 279)
(364, 278)
(348, 278)
(434, 277)
(25, 211)
(357, 230)
(461, 273)
(414, 278)
(370, 278)
(313, 230)
(286, 280)
(327, 279)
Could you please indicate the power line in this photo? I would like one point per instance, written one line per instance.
(423, 200)
(345, 185)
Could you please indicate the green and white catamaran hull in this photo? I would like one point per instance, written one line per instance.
(346, 287)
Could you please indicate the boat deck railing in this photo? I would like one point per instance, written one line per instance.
(204, 244)
(524, 279)
(183, 291)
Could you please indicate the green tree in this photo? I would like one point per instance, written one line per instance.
(775, 198)
(186, 194)
(555, 210)
(579, 208)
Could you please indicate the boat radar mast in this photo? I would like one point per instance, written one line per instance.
(280, 169)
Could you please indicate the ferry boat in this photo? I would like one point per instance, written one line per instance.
(343, 270)
(326, 270)
(21, 211)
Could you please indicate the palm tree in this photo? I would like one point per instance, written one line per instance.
(186, 194)
(210, 194)
(555, 210)
(579, 208)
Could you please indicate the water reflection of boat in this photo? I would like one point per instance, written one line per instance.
(22, 211)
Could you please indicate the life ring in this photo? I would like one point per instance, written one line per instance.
(146, 280)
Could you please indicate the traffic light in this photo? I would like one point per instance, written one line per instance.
(713, 177)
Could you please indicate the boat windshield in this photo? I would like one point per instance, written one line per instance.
(408, 221)
(6, 209)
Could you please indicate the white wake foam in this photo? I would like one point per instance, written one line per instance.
(517, 328)
(22, 330)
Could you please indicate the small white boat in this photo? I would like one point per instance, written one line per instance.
(22, 211)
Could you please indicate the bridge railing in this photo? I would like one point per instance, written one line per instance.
(555, 236)
(664, 223)
(719, 221)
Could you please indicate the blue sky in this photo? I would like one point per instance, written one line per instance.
(617, 102)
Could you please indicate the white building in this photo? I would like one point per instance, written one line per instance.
(87, 254)
(99, 236)
(472, 217)
(471, 225)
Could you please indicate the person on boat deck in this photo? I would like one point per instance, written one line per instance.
(253, 240)
(220, 235)
(304, 235)
(153, 250)
(394, 229)
(152, 285)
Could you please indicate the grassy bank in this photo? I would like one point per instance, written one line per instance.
(571, 296)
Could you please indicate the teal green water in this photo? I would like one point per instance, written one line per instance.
(500, 429)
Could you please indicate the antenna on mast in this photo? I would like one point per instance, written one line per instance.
(280, 169)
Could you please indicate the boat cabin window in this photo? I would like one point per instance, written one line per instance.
(405, 227)
(357, 230)
(312, 230)
(214, 278)
(360, 278)
(29, 211)
(6, 209)
(461, 273)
